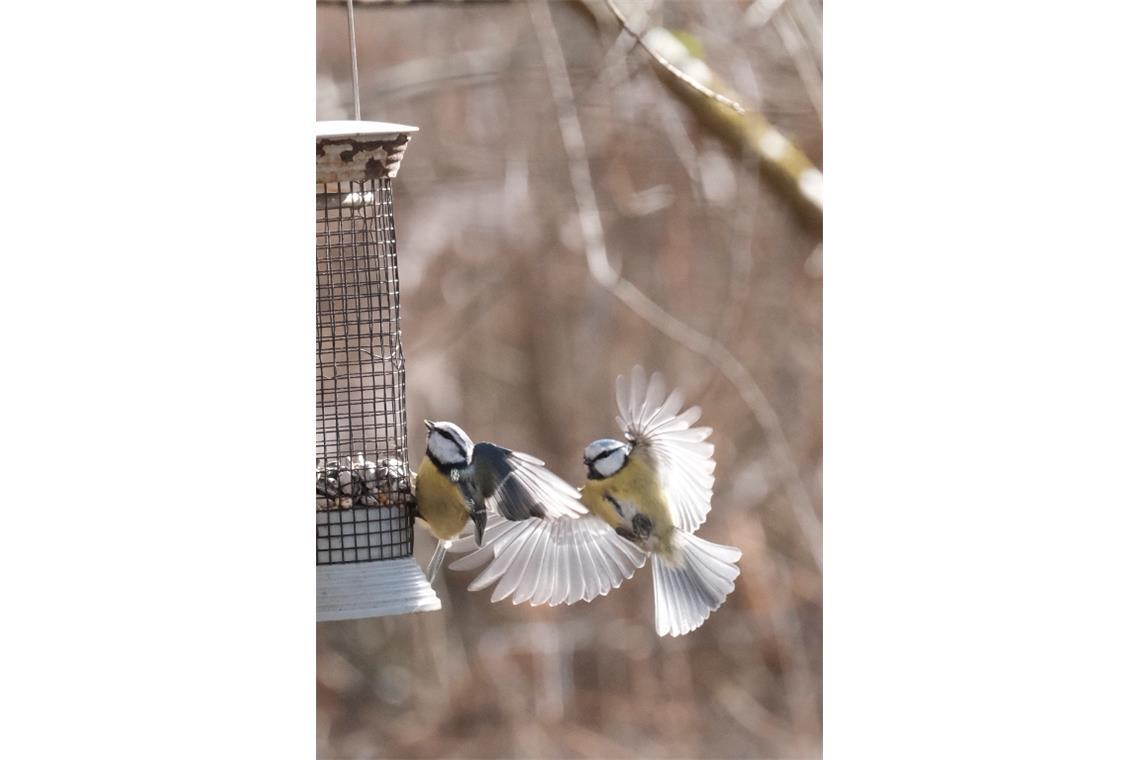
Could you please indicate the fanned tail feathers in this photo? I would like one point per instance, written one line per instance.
(687, 591)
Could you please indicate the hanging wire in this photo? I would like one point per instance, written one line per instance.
(355, 75)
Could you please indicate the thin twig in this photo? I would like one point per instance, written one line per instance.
(802, 58)
(434, 71)
(598, 263)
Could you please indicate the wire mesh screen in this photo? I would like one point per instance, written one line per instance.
(363, 494)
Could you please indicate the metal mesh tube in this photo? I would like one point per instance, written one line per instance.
(363, 494)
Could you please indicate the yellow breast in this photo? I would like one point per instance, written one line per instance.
(440, 502)
(635, 484)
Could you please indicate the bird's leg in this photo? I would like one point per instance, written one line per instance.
(437, 560)
(635, 529)
(478, 515)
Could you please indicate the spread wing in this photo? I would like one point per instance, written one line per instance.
(682, 458)
(518, 486)
(553, 561)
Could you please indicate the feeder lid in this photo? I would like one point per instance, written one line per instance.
(349, 128)
(360, 150)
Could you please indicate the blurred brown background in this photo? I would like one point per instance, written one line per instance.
(507, 333)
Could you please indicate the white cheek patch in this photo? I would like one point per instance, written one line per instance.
(445, 450)
(610, 463)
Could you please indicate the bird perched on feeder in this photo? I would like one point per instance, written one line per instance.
(459, 481)
(646, 495)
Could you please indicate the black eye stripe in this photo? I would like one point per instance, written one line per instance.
(606, 453)
(447, 434)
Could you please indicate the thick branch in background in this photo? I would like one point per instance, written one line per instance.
(793, 172)
(714, 102)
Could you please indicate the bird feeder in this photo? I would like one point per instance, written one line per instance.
(365, 507)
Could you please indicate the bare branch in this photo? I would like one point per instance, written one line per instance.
(600, 269)
(672, 69)
(692, 79)
(786, 163)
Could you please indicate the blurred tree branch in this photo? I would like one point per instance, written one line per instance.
(597, 259)
(716, 104)
(672, 68)
(463, 67)
(800, 48)
(792, 170)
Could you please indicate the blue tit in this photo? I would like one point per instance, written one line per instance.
(460, 481)
(646, 496)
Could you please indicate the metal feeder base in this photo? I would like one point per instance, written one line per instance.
(373, 589)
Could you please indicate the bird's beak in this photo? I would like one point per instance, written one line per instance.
(429, 424)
